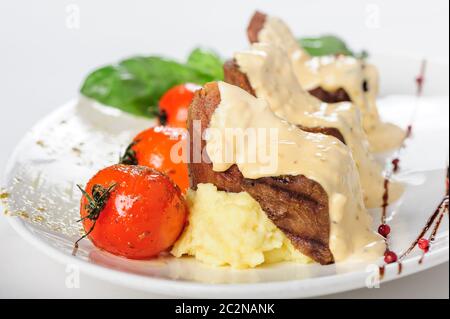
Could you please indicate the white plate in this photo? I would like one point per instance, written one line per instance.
(76, 140)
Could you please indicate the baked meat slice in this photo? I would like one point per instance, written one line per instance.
(298, 206)
(233, 75)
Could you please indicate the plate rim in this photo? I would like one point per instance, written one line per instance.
(180, 288)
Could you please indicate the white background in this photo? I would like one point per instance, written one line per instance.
(44, 58)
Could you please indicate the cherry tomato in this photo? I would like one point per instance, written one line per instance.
(161, 148)
(132, 211)
(174, 104)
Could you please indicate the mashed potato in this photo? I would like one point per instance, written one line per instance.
(232, 229)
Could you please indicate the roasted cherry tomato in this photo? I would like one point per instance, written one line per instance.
(174, 104)
(161, 148)
(132, 211)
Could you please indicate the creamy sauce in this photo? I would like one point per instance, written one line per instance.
(272, 78)
(335, 72)
(319, 157)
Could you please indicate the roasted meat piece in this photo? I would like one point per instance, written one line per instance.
(298, 206)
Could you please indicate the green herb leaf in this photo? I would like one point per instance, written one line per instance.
(328, 45)
(135, 85)
(207, 62)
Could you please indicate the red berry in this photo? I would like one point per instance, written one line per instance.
(390, 257)
(384, 230)
(423, 244)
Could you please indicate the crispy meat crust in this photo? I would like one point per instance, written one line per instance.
(332, 131)
(255, 26)
(296, 204)
(337, 96)
(236, 77)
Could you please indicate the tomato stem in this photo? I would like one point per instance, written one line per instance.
(162, 116)
(129, 157)
(96, 203)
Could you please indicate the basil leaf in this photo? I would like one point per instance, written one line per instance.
(325, 45)
(114, 86)
(207, 62)
(135, 85)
